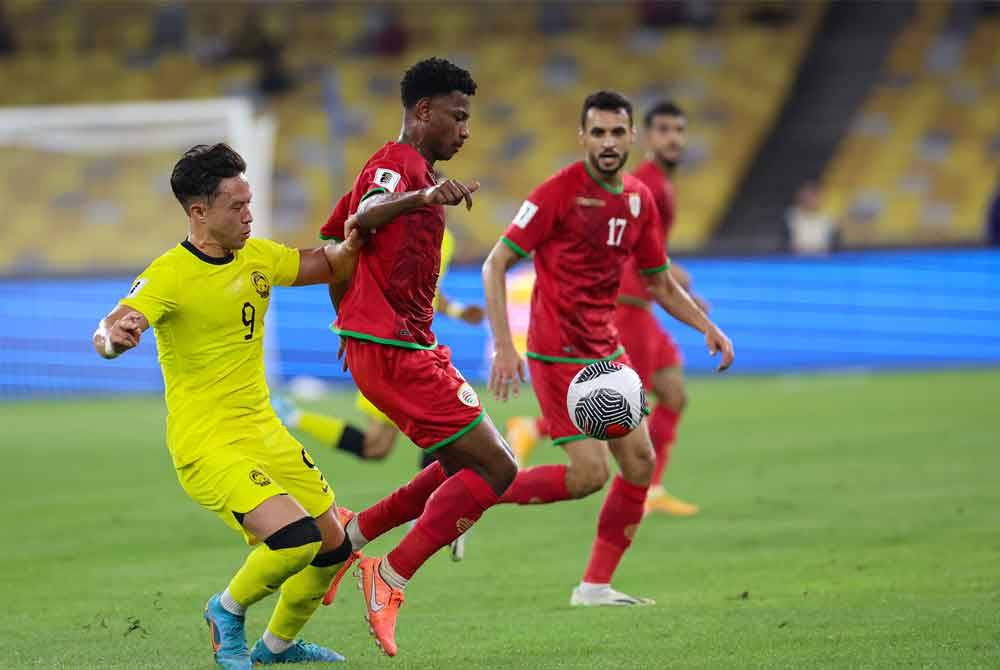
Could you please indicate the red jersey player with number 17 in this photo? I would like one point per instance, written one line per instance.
(583, 224)
(385, 319)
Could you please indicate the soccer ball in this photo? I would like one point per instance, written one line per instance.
(606, 400)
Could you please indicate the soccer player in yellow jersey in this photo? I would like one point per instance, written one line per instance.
(206, 299)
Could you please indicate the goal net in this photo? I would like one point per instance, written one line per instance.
(88, 205)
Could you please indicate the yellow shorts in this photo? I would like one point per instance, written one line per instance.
(370, 410)
(235, 478)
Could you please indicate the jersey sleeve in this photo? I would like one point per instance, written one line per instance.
(285, 261)
(534, 222)
(154, 293)
(650, 251)
(380, 176)
(333, 229)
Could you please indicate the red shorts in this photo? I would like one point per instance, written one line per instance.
(418, 389)
(649, 346)
(550, 382)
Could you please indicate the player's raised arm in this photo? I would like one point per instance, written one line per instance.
(381, 208)
(119, 331)
(669, 294)
(508, 367)
(332, 263)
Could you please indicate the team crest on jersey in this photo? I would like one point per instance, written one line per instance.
(260, 283)
(468, 395)
(634, 204)
(259, 478)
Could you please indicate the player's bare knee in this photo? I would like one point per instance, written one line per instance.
(586, 477)
(505, 467)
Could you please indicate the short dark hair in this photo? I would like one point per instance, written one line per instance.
(434, 76)
(662, 108)
(198, 173)
(610, 101)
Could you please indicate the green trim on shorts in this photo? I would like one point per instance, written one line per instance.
(653, 271)
(445, 442)
(571, 438)
(330, 237)
(381, 340)
(582, 361)
(513, 247)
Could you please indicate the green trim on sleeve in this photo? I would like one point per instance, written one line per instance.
(330, 238)
(513, 247)
(582, 361)
(377, 189)
(445, 442)
(381, 340)
(653, 271)
(570, 438)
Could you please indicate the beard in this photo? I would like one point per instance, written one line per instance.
(595, 163)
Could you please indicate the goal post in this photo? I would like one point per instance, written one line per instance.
(95, 207)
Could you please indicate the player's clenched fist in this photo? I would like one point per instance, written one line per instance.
(126, 332)
(450, 192)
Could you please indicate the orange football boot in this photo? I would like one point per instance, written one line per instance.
(661, 502)
(522, 436)
(382, 603)
(331, 593)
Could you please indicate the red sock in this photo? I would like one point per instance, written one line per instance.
(405, 503)
(663, 432)
(616, 526)
(453, 508)
(537, 485)
(542, 426)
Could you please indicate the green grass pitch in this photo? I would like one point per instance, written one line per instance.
(848, 521)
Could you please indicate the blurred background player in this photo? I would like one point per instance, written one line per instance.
(207, 298)
(376, 441)
(583, 225)
(654, 354)
(384, 319)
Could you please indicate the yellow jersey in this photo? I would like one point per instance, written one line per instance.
(208, 317)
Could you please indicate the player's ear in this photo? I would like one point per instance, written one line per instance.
(422, 110)
(579, 135)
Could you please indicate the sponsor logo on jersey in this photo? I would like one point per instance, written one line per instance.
(259, 478)
(387, 179)
(525, 214)
(137, 286)
(634, 204)
(260, 283)
(589, 202)
(467, 395)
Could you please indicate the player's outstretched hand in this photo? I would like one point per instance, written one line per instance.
(506, 373)
(126, 332)
(473, 315)
(451, 192)
(717, 342)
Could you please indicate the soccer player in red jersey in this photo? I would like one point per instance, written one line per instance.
(583, 224)
(653, 352)
(384, 319)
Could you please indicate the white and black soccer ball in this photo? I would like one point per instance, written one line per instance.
(606, 400)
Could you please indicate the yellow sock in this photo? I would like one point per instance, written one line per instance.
(326, 429)
(300, 596)
(266, 569)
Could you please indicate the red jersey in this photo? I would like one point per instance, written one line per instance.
(582, 232)
(391, 296)
(333, 229)
(650, 174)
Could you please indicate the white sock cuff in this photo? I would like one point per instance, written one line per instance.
(391, 577)
(230, 605)
(275, 643)
(354, 533)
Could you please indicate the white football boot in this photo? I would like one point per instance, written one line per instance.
(602, 595)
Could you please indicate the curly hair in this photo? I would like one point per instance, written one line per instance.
(662, 108)
(200, 170)
(434, 76)
(610, 101)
